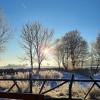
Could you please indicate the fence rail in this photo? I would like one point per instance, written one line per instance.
(24, 96)
(64, 81)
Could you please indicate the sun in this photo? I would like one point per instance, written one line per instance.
(46, 51)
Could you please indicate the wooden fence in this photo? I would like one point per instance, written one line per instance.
(41, 92)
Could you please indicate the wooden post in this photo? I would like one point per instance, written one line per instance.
(30, 77)
(70, 87)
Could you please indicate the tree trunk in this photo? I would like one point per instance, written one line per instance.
(82, 64)
(59, 64)
(31, 59)
(39, 67)
(63, 62)
(73, 60)
(30, 75)
(73, 63)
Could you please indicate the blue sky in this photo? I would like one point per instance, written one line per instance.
(60, 15)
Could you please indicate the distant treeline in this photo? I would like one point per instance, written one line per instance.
(12, 71)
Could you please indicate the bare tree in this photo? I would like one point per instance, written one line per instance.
(98, 46)
(36, 40)
(75, 47)
(97, 49)
(83, 52)
(41, 42)
(27, 37)
(58, 52)
(95, 55)
(92, 54)
(4, 32)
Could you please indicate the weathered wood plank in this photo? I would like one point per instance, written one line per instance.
(24, 96)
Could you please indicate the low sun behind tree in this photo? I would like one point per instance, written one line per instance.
(35, 41)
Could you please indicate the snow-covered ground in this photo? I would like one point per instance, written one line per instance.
(68, 75)
(97, 76)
